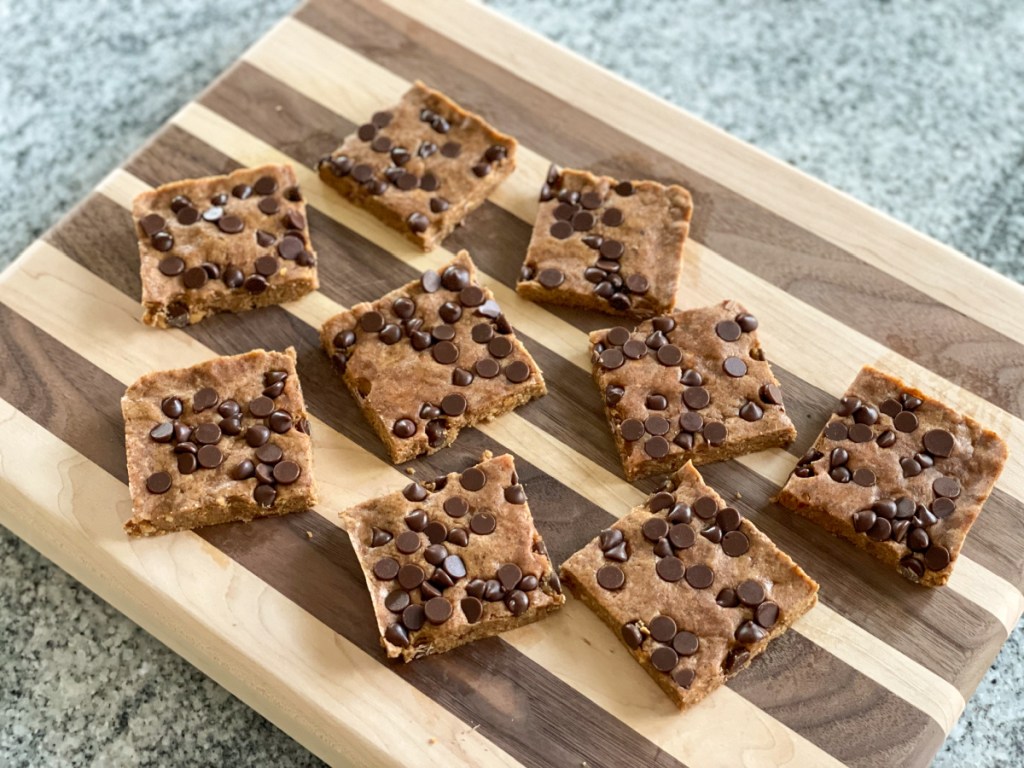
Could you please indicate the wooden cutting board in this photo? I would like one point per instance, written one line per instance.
(277, 611)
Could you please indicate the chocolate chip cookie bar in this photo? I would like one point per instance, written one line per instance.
(453, 560)
(223, 244)
(221, 441)
(422, 166)
(692, 588)
(688, 386)
(613, 246)
(430, 358)
(899, 474)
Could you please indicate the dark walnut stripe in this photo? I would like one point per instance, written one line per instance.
(801, 263)
(498, 240)
(322, 576)
(780, 692)
(330, 586)
(344, 254)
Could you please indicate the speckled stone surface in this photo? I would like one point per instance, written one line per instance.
(915, 107)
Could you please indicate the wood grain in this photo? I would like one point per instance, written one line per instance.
(562, 396)
(867, 605)
(109, 314)
(304, 132)
(877, 674)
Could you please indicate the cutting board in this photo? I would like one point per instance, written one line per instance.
(277, 611)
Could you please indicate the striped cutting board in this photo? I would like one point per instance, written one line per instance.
(277, 612)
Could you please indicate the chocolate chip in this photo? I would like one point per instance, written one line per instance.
(728, 330)
(669, 355)
(699, 576)
(655, 528)
(287, 472)
(256, 435)
(631, 635)
(860, 433)
(187, 462)
(727, 598)
(510, 574)
(268, 206)
(770, 394)
(415, 492)
(437, 610)
(483, 523)
(887, 439)
(735, 367)
(246, 469)
(517, 372)
(473, 479)
(749, 633)
(751, 411)
(836, 430)
(515, 494)
(864, 477)
(612, 217)
(436, 532)
(948, 487)
(171, 266)
(631, 430)
(386, 568)
(612, 250)
(938, 442)
(937, 558)
(662, 628)
(255, 284)
(943, 507)
(670, 569)
(638, 284)
(195, 278)
(445, 352)
(728, 518)
(456, 506)
(680, 513)
(905, 421)
(714, 432)
(881, 530)
(910, 467)
(158, 482)
(735, 543)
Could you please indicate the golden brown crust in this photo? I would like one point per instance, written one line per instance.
(458, 185)
(733, 402)
(209, 496)
(649, 220)
(398, 381)
(514, 539)
(893, 453)
(175, 300)
(646, 595)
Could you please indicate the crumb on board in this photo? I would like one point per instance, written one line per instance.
(410, 471)
(431, 741)
(309, 534)
(278, 108)
(738, 495)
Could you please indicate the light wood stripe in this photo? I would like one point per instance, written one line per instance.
(77, 300)
(808, 342)
(875, 238)
(543, 326)
(219, 616)
(880, 662)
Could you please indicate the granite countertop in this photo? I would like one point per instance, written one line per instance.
(916, 108)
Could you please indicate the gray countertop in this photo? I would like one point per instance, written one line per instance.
(915, 107)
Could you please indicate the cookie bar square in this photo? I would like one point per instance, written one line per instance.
(453, 560)
(689, 386)
(221, 441)
(430, 358)
(223, 244)
(899, 474)
(692, 588)
(422, 166)
(613, 246)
